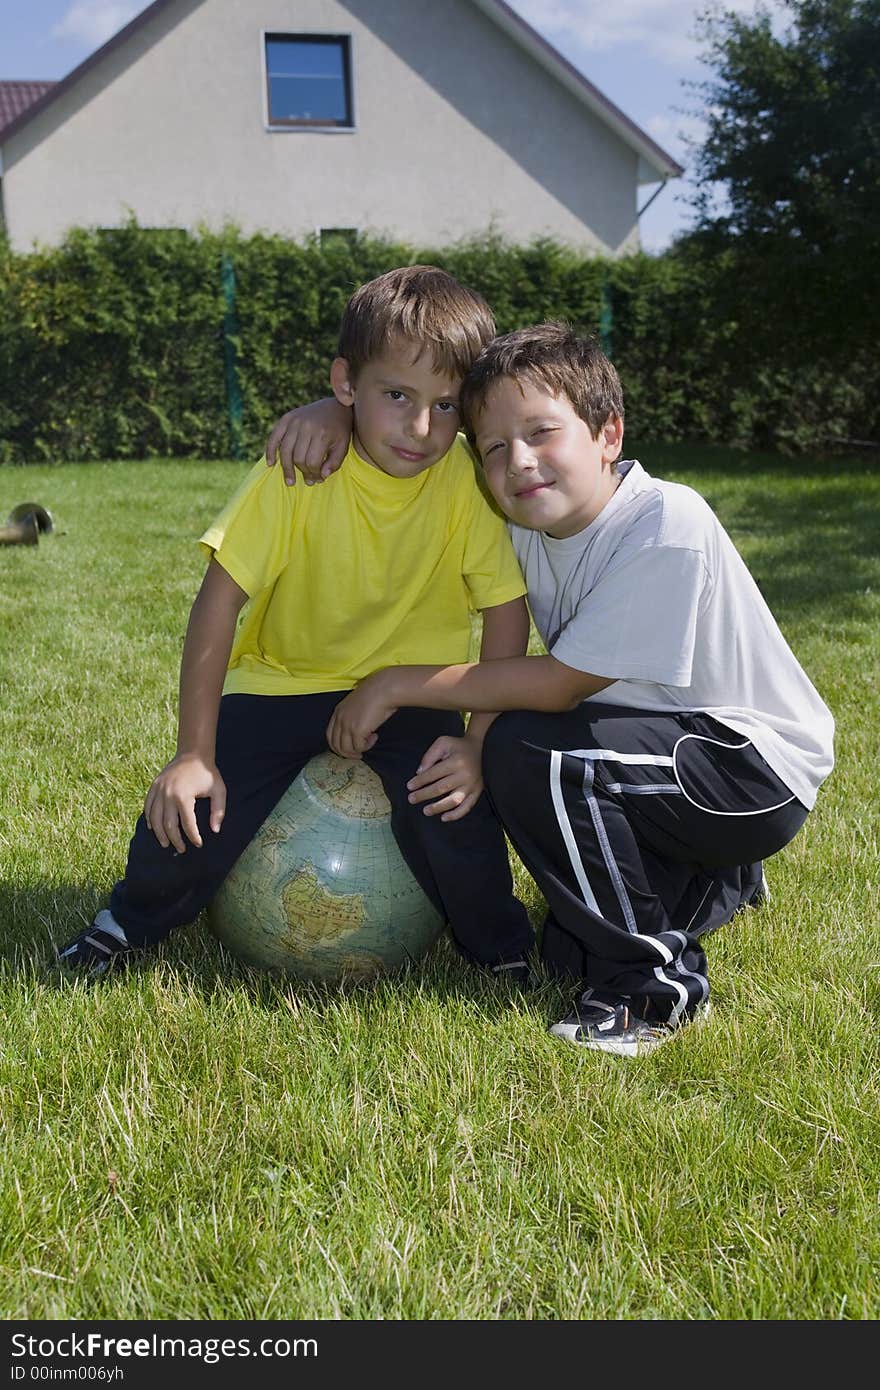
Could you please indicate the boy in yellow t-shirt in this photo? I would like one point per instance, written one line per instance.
(381, 566)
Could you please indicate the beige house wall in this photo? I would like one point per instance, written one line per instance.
(457, 129)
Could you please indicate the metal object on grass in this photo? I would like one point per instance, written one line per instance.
(24, 524)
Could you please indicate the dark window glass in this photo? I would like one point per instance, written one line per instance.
(346, 235)
(309, 80)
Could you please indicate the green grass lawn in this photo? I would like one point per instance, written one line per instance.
(192, 1140)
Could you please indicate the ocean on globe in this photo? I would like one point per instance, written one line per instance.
(322, 892)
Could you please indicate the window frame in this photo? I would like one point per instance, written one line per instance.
(305, 127)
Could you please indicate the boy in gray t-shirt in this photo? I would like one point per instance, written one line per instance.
(666, 744)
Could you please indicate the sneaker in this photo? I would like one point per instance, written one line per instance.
(518, 971)
(97, 948)
(611, 1026)
(761, 895)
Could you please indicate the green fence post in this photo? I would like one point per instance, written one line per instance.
(606, 315)
(230, 332)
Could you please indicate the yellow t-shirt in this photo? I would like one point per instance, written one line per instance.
(359, 572)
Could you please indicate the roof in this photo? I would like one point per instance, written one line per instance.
(16, 97)
(654, 163)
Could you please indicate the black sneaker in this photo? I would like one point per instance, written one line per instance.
(97, 948)
(517, 971)
(609, 1025)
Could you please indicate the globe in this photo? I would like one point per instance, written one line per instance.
(322, 892)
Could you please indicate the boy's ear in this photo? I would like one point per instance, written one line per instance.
(341, 381)
(612, 439)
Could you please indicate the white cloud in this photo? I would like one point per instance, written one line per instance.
(668, 129)
(93, 22)
(664, 28)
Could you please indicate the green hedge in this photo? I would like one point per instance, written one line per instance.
(127, 343)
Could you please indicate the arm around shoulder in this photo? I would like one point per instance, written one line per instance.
(313, 438)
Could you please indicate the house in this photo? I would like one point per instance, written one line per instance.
(424, 120)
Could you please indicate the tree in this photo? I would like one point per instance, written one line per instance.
(793, 137)
(794, 126)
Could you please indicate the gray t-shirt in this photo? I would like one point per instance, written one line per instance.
(654, 594)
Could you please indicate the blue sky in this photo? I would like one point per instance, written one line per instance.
(640, 53)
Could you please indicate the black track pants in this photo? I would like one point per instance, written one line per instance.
(643, 831)
(263, 741)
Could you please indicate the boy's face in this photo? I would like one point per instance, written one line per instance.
(544, 468)
(405, 414)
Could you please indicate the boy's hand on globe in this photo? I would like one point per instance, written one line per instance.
(353, 725)
(313, 438)
(449, 777)
(170, 804)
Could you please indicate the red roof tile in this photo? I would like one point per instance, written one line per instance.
(15, 97)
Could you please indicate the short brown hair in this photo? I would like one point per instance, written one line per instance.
(551, 355)
(425, 305)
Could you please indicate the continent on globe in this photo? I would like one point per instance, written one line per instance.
(314, 913)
